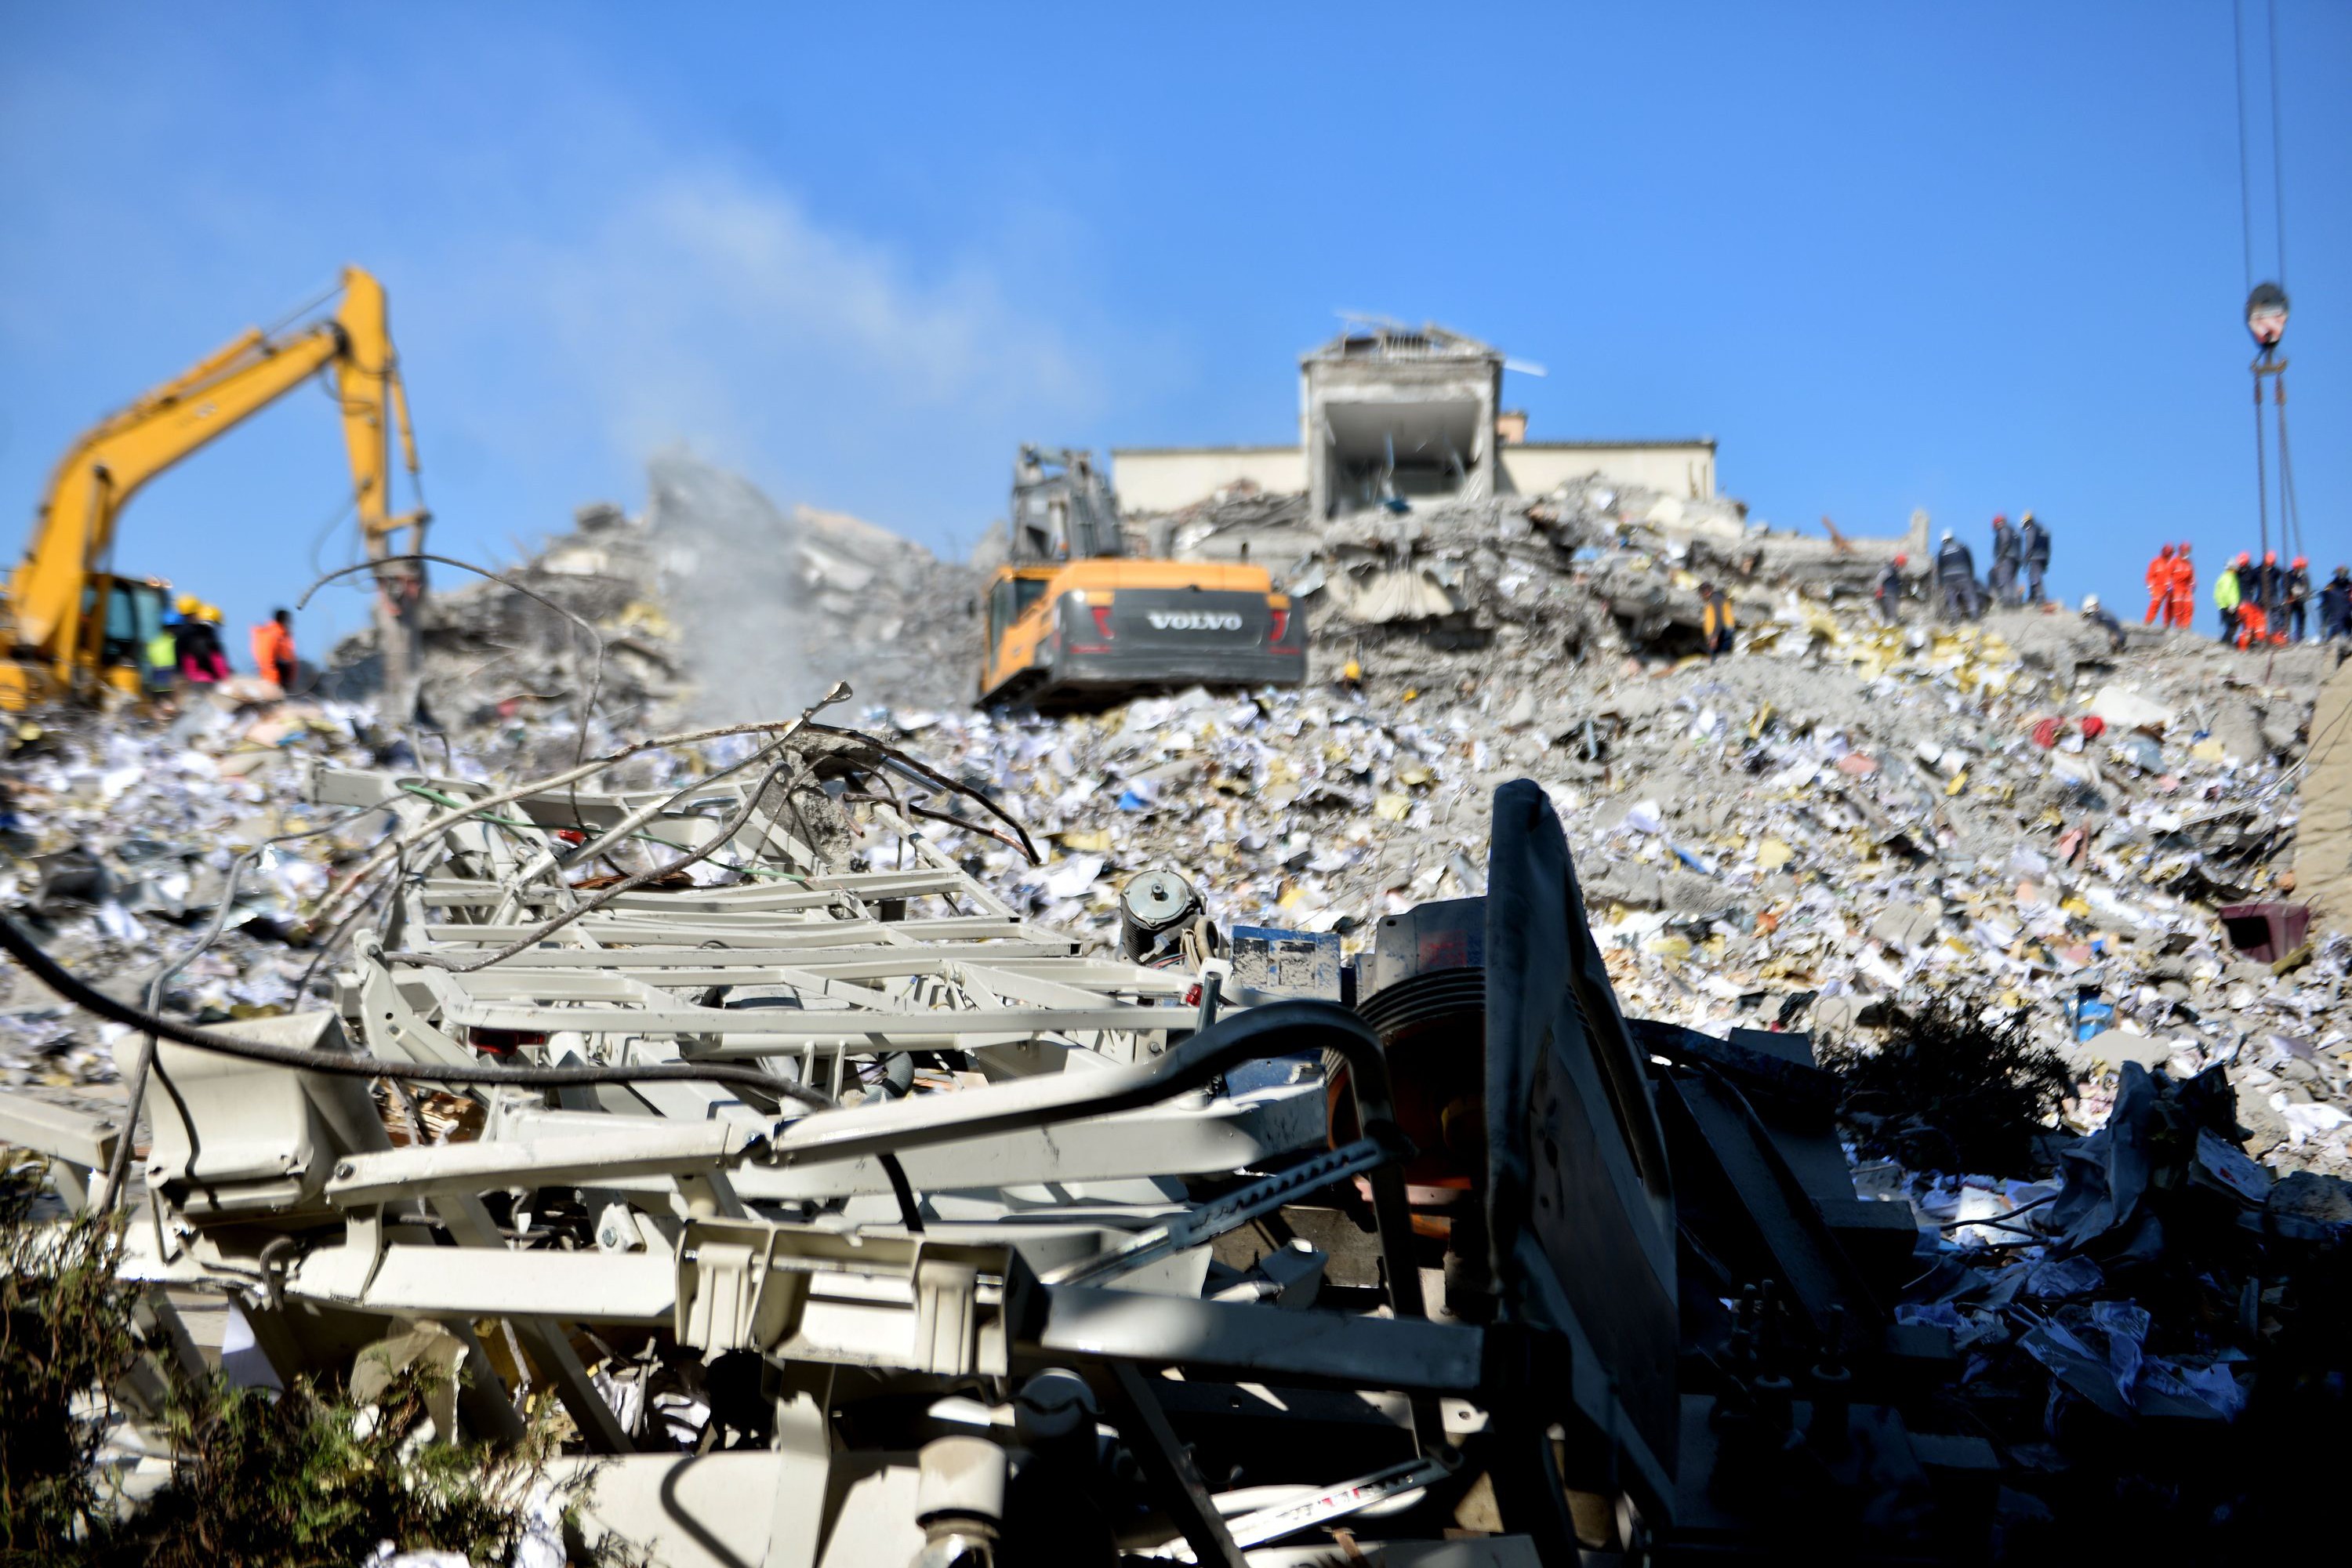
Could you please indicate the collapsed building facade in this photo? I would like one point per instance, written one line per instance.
(1389, 413)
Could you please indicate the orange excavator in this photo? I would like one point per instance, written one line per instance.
(72, 625)
(1074, 620)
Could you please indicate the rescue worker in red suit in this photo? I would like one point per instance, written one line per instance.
(2159, 585)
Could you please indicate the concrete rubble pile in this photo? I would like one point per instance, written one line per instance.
(125, 841)
(1594, 563)
(772, 596)
(876, 1113)
(1839, 815)
(768, 594)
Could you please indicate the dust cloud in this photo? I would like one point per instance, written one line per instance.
(734, 588)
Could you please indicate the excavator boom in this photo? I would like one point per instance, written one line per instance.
(44, 608)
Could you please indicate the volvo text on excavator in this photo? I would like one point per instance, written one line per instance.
(1072, 618)
(70, 623)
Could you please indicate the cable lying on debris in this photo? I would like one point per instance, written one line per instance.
(384, 853)
(595, 638)
(923, 773)
(898, 761)
(120, 1169)
(81, 993)
(541, 932)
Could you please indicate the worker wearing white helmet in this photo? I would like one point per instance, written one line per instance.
(2105, 619)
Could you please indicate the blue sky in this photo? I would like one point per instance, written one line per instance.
(1973, 258)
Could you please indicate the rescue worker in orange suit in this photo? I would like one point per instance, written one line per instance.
(2159, 586)
(2253, 627)
(2181, 611)
(273, 649)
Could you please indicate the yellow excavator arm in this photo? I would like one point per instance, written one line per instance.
(107, 464)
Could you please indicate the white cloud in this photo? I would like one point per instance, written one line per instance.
(581, 275)
(711, 309)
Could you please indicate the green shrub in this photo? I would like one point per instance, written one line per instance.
(65, 1331)
(306, 1479)
(301, 1478)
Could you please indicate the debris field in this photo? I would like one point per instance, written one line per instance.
(782, 1086)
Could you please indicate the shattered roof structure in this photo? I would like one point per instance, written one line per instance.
(1378, 338)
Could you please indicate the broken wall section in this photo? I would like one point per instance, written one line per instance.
(1394, 414)
(2323, 859)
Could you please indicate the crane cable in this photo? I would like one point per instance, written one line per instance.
(2278, 148)
(2245, 171)
(2290, 511)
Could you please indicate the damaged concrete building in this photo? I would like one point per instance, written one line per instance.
(1390, 414)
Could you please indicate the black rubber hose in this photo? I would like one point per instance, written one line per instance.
(911, 1213)
(54, 975)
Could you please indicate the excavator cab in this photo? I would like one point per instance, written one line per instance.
(130, 621)
(1009, 599)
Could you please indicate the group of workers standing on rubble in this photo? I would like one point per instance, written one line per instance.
(2021, 560)
(2263, 602)
(187, 653)
(2259, 603)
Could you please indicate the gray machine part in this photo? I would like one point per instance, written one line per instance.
(1062, 508)
(1071, 1170)
(1154, 909)
(1580, 1207)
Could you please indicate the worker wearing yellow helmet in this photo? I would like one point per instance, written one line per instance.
(185, 634)
(201, 659)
